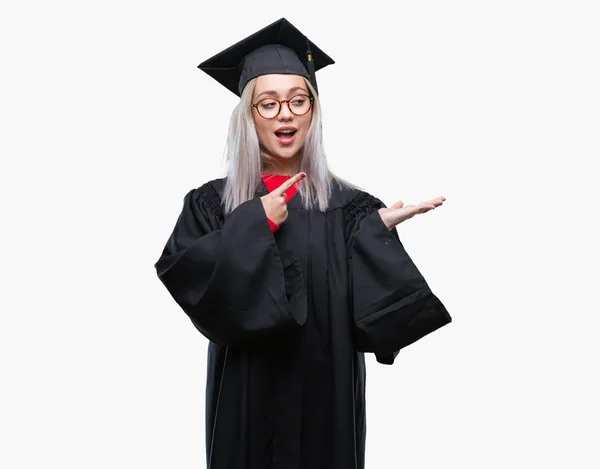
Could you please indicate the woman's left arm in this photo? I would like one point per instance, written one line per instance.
(393, 305)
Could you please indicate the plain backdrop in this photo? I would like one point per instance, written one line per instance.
(106, 123)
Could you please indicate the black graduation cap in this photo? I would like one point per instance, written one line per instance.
(278, 48)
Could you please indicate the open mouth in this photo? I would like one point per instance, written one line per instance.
(285, 136)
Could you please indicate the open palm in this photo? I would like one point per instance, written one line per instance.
(399, 212)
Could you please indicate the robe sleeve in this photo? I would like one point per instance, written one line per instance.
(393, 305)
(228, 277)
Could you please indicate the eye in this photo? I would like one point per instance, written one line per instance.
(298, 101)
(268, 104)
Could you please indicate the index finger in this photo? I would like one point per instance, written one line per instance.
(289, 183)
(437, 201)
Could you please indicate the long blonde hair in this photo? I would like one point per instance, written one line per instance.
(246, 161)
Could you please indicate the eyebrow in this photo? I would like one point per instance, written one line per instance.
(274, 93)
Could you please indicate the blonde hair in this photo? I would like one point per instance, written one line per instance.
(246, 161)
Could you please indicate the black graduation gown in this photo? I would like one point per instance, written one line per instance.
(288, 317)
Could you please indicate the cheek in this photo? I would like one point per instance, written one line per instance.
(263, 132)
(305, 126)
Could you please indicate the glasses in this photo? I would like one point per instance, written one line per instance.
(270, 108)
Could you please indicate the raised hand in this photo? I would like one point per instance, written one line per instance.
(399, 212)
(274, 203)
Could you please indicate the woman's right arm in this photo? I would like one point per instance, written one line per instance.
(231, 280)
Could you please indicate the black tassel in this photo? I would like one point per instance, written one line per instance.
(310, 65)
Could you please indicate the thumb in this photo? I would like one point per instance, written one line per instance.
(398, 204)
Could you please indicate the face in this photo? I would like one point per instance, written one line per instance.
(282, 137)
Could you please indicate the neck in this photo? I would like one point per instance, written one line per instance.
(282, 167)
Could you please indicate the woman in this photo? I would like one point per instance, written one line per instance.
(290, 272)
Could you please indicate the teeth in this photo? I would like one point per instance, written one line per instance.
(286, 131)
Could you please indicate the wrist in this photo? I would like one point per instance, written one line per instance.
(384, 219)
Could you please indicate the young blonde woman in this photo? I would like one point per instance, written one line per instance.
(291, 273)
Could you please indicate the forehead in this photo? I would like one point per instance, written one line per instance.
(280, 84)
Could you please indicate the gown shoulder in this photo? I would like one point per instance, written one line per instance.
(354, 201)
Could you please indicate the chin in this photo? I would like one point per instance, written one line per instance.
(285, 153)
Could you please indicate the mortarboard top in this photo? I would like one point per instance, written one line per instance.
(278, 48)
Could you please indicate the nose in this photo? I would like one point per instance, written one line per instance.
(284, 113)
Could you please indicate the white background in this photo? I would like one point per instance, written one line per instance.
(106, 123)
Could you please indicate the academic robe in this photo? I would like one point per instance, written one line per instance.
(289, 316)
